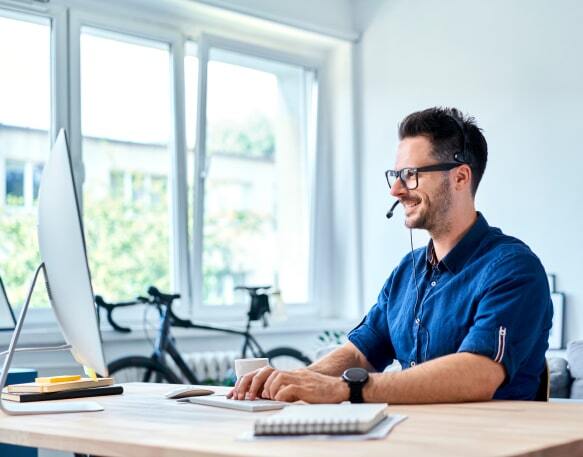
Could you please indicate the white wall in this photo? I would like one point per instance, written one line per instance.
(331, 17)
(516, 66)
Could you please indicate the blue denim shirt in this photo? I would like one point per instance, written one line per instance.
(488, 296)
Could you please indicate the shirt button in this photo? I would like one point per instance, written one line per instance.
(413, 364)
(417, 321)
(433, 283)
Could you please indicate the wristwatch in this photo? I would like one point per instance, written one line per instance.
(356, 378)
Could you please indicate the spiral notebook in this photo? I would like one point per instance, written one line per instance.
(345, 418)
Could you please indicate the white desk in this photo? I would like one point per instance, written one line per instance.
(142, 423)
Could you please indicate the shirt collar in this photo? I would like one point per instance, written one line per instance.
(456, 258)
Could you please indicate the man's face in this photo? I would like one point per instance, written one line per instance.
(427, 206)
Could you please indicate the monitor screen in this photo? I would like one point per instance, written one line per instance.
(63, 252)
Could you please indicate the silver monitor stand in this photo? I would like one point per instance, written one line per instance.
(18, 409)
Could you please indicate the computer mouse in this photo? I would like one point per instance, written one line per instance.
(187, 391)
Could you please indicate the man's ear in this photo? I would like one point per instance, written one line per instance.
(463, 177)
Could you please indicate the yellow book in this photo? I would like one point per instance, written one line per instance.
(82, 383)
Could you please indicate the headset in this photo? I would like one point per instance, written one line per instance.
(464, 156)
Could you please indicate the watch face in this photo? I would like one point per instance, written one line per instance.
(357, 375)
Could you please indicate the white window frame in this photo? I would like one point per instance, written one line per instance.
(59, 117)
(205, 43)
(173, 28)
(180, 267)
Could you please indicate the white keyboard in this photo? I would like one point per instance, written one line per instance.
(222, 401)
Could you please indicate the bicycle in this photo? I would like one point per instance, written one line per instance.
(156, 369)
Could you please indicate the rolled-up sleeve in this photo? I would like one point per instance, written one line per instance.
(372, 335)
(512, 313)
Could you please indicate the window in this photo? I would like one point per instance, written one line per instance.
(256, 212)
(25, 81)
(125, 112)
(197, 203)
(137, 188)
(14, 173)
(117, 184)
(22, 182)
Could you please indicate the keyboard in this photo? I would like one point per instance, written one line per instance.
(221, 401)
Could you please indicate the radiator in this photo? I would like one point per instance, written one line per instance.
(212, 367)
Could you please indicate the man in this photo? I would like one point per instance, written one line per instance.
(467, 317)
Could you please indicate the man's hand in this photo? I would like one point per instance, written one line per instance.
(290, 386)
(305, 385)
(251, 384)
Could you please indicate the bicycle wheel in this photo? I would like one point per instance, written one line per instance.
(141, 369)
(285, 358)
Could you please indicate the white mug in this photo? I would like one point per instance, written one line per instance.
(244, 366)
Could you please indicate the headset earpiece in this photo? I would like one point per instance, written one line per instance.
(463, 156)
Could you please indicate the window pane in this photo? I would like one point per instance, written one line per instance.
(25, 61)
(14, 183)
(116, 184)
(125, 84)
(256, 211)
(158, 189)
(138, 188)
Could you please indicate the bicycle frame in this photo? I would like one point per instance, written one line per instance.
(165, 343)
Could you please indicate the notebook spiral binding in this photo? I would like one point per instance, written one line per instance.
(302, 427)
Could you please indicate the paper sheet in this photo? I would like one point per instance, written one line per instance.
(380, 431)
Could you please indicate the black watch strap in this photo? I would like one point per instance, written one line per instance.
(356, 378)
(356, 393)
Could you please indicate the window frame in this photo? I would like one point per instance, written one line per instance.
(67, 18)
(59, 107)
(176, 142)
(206, 42)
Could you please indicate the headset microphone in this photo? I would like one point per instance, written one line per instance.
(390, 212)
(413, 271)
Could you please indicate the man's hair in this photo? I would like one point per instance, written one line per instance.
(445, 129)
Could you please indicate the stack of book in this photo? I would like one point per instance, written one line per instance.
(58, 388)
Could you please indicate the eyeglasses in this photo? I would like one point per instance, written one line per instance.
(409, 176)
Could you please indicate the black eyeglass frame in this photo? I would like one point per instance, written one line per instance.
(401, 174)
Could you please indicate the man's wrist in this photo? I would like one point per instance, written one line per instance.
(366, 397)
(344, 390)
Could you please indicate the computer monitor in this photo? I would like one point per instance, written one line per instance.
(7, 320)
(63, 253)
(62, 249)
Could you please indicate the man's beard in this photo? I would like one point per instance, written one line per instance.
(435, 218)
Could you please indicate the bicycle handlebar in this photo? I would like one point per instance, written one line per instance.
(167, 298)
(158, 299)
(259, 307)
(109, 307)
